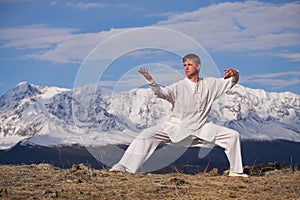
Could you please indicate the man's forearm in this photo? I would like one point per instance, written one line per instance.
(160, 92)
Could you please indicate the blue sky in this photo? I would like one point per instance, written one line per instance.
(46, 42)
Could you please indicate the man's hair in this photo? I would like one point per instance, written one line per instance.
(192, 57)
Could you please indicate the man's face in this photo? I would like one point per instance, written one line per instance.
(190, 68)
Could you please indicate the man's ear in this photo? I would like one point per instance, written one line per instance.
(198, 67)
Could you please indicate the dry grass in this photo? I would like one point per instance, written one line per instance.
(44, 181)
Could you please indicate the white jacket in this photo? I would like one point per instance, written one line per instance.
(191, 104)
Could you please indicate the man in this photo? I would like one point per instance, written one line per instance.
(191, 100)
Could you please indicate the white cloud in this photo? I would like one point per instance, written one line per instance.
(234, 26)
(54, 3)
(164, 14)
(293, 57)
(38, 36)
(276, 80)
(86, 5)
(74, 49)
(277, 84)
(250, 25)
(163, 75)
(53, 44)
(274, 75)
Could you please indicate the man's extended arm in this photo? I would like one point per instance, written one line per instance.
(221, 85)
(163, 93)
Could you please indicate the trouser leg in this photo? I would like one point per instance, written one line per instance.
(142, 147)
(230, 140)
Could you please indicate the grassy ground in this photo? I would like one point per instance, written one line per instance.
(43, 181)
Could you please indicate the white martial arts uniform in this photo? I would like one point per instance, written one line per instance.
(191, 104)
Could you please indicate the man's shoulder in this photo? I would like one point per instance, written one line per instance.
(180, 82)
(211, 79)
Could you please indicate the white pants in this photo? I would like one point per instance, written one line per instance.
(143, 146)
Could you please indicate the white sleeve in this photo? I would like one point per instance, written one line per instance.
(162, 92)
(220, 86)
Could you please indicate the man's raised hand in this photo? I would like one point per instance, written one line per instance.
(145, 73)
(229, 73)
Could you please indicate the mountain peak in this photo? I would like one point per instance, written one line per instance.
(23, 83)
(24, 87)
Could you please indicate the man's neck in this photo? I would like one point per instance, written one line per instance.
(194, 78)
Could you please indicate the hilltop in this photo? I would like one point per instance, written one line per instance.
(44, 181)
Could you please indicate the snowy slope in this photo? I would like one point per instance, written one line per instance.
(43, 115)
(256, 114)
(52, 116)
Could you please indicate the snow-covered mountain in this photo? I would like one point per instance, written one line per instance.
(89, 115)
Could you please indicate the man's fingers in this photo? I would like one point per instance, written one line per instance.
(229, 73)
(143, 70)
(227, 70)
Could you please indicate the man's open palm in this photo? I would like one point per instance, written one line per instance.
(145, 73)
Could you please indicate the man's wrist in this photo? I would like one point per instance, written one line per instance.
(151, 82)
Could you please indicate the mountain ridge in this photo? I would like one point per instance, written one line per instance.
(29, 112)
